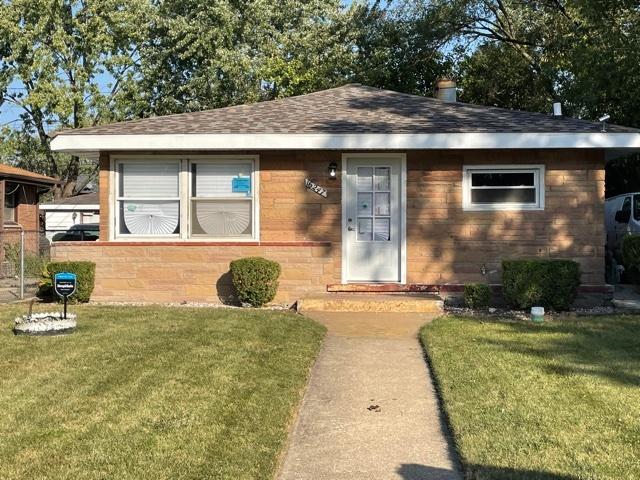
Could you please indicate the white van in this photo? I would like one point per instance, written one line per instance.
(621, 218)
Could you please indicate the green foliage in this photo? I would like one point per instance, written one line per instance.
(477, 295)
(86, 274)
(212, 54)
(255, 280)
(33, 264)
(497, 75)
(55, 57)
(622, 175)
(631, 257)
(586, 54)
(398, 48)
(545, 283)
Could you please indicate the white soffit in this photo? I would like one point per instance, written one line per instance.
(90, 145)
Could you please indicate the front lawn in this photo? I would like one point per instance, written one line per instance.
(554, 401)
(152, 392)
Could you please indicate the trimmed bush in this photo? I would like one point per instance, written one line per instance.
(544, 283)
(255, 280)
(477, 295)
(85, 271)
(631, 257)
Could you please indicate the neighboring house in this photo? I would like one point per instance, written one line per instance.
(61, 215)
(352, 188)
(20, 191)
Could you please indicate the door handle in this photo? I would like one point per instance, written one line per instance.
(350, 228)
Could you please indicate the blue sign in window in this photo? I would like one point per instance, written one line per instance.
(241, 185)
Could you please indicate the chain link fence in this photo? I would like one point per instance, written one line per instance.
(23, 255)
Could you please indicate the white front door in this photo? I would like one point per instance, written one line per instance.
(373, 223)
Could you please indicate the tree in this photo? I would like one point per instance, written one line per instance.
(211, 54)
(56, 56)
(583, 53)
(398, 47)
(496, 74)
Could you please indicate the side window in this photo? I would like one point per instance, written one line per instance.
(626, 206)
(625, 210)
(636, 207)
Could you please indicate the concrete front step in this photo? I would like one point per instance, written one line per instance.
(360, 302)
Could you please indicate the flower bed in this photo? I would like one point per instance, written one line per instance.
(50, 323)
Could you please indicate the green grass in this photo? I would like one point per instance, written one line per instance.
(152, 392)
(554, 401)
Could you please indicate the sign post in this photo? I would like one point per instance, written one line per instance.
(64, 284)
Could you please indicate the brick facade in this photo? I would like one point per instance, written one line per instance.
(302, 230)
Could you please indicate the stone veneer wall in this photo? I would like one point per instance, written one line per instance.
(448, 245)
(197, 272)
(303, 231)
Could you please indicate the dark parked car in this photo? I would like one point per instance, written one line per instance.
(83, 232)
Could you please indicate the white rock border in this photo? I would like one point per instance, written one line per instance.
(49, 323)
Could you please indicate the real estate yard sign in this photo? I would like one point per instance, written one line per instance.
(64, 284)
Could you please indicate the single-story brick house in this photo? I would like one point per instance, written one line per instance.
(352, 188)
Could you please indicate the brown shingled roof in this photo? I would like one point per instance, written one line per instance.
(82, 199)
(352, 108)
(13, 173)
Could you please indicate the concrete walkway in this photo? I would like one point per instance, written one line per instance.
(370, 411)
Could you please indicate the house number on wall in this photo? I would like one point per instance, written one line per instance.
(315, 188)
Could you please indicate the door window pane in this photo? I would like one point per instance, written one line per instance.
(382, 180)
(383, 204)
(365, 206)
(365, 179)
(365, 229)
(382, 230)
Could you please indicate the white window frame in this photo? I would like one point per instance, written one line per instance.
(255, 212)
(118, 197)
(538, 182)
(184, 191)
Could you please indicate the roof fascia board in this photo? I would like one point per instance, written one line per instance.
(367, 141)
(29, 180)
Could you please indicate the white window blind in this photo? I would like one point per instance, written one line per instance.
(149, 180)
(213, 180)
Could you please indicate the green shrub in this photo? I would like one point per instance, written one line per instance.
(255, 280)
(631, 257)
(86, 275)
(477, 295)
(544, 283)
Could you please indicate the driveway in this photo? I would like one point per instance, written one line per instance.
(370, 411)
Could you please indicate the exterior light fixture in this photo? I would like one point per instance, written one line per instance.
(333, 170)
